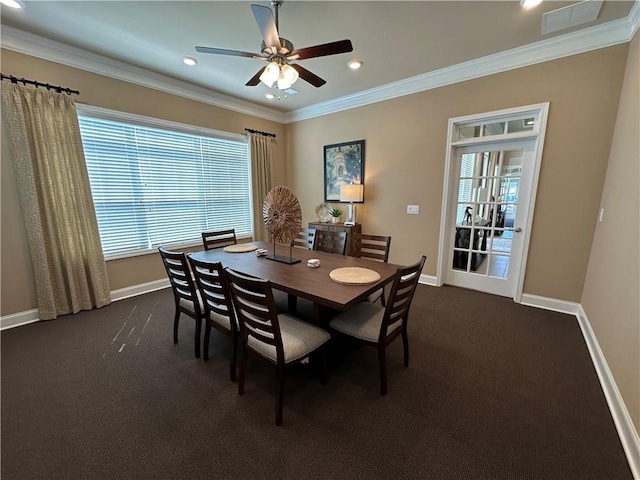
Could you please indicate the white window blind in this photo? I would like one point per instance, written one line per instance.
(466, 182)
(160, 186)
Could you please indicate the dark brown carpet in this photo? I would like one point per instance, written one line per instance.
(494, 390)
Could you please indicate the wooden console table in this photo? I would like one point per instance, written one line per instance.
(352, 230)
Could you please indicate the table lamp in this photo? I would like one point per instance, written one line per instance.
(351, 193)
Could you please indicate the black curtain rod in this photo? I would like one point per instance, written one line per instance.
(24, 81)
(266, 134)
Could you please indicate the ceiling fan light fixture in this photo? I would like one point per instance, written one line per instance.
(283, 83)
(279, 51)
(530, 3)
(290, 74)
(271, 74)
(13, 3)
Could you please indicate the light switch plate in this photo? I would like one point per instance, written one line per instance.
(413, 209)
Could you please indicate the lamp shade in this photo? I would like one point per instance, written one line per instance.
(270, 74)
(352, 193)
(290, 74)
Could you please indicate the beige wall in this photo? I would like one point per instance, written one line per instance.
(18, 292)
(405, 149)
(611, 297)
(405, 152)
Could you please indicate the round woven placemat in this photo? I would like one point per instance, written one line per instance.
(354, 276)
(240, 248)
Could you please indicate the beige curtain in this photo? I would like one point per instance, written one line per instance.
(46, 150)
(261, 178)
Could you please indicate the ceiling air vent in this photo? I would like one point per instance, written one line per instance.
(571, 16)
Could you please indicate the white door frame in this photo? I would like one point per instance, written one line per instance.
(540, 113)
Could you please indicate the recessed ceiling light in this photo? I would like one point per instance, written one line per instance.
(13, 3)
(355, 64)
(530, 3)
(270, 96)
(189, 61)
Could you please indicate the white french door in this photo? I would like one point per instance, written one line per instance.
(492, 170)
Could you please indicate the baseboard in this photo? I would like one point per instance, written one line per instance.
(547, 303)
(428, 280)
(621, 418)
(31, 316)
(19, 319)
(139, 289)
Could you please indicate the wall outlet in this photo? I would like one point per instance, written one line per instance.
(413, 209)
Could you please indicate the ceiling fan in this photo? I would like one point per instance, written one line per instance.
(279, 52)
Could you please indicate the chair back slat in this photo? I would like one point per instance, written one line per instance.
(375, 247)
(219, 239)
(179, 273)
(306, 239)
(401, 296)
(255, 313)
(332, 242)
(256, 310)
(212, 284)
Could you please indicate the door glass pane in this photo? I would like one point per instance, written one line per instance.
(469, 132)
(522, 125)
(465, 190)
(501, 243)
(498, 266)
(487, 201)
(493, 129)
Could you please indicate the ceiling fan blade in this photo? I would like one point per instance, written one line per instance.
(307, 76)
(333, 48)
(267, 25)
(255, 80)
(222, 51)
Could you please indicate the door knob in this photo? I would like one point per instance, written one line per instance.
(517, 229)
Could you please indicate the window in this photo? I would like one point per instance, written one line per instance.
(160, 183)
(490, 128)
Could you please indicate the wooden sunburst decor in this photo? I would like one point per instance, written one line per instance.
(282, 218)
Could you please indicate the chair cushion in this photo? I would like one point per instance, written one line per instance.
(299, 339)
(188, 304)
(363, 321)
(222, 320)
(375, 296)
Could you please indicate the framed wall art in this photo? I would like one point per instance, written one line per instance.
(343, 165)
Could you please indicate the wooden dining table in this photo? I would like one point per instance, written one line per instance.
(299, 280)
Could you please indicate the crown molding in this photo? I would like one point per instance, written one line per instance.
(40, 47)
(582, 41)
(634, 19)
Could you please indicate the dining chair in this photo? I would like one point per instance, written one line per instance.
(279, 340)
(379, 326)
(375, 247)
(185, 293)
(332, 242)
(219, 313)
(219, 239)
(306, 239)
